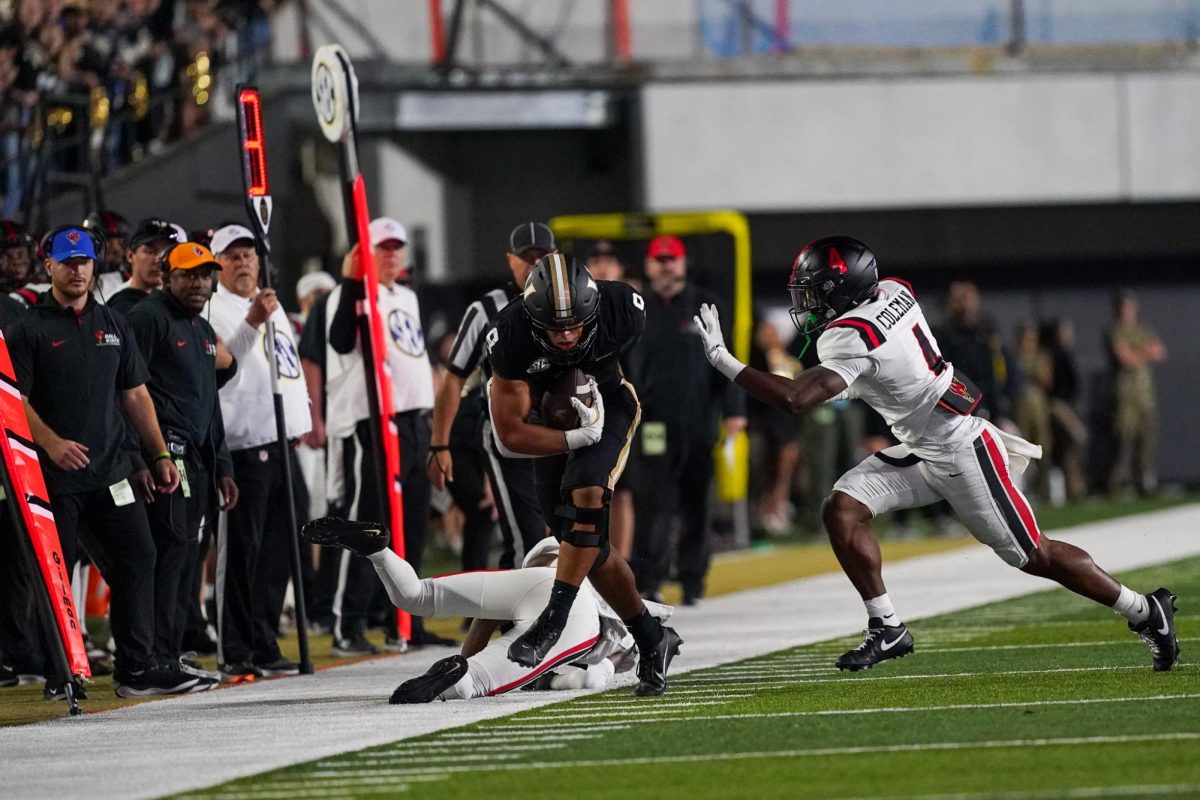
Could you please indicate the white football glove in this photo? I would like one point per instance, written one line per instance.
(708, 324)
(591, 420)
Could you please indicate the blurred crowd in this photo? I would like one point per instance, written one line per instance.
(170, 477)
(116, 78)
(1097, 432)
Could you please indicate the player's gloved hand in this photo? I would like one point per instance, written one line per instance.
(708, 324)
(591, 420)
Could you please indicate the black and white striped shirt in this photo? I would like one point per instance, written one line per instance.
(468, 351)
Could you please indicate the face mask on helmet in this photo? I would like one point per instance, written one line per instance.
(560, 295)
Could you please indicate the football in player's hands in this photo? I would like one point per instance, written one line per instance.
(557, 410)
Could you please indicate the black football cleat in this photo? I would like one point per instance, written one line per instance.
(879, 643)
(425, 689)
(532, 646)
(363, 538)
(652, 667)
(1158, 631)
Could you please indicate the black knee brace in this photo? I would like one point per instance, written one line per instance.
(566, 517)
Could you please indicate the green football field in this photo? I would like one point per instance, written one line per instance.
(1046, 696)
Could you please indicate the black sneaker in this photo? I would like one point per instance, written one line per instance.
(193, 667)
(440, 677)
(239, 672)
(280, 666)
(60, 692)
(532, 646)
(155, 680)
(652, 667)
(880, 643)
(354, 646)
(8, 677)
(1158, 631)
(363, 538)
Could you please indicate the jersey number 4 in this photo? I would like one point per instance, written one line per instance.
(937, 364)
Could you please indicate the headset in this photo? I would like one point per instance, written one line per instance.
(99, 242)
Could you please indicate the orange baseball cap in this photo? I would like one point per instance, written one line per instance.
(189, 255)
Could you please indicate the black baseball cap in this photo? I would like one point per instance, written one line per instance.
(529, 235)
(152, 229)
(603, 247)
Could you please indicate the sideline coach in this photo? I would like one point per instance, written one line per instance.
(80, 376)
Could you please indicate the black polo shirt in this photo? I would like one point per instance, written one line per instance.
(673, 378)
(10, 311)
(74, 367)
(180, 350)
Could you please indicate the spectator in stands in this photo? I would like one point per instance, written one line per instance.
(684, 409)
(253, 571)
(1132, 349)
(1069, 431)
(81, 439)
(412, 399)
(150, 239)
(180, 350)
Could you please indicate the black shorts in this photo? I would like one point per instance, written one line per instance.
(600, 464)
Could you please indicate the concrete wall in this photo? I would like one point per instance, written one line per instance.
(939, 141)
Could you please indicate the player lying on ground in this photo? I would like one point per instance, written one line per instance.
(874, 344)
(593, 647)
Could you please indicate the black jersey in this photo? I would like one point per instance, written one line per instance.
(515, 354)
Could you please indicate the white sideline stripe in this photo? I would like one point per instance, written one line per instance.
(921, 676)
(555, 729)
(512, 737)
(586, 714)
(435, 749)
(906, 709)
(992, 647)
(813, 752)
(1078, 793)
(638, 702)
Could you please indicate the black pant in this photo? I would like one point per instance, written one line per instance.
(175, 524)
(254, 555)
(357, 584)
(468, 490)
(515, 490)
(119, 543)
(20, 617)
(676, 482)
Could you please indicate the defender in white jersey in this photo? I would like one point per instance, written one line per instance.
(594, 645)
(874, 344)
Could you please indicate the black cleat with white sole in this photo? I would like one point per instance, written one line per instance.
(652, 667)
(880, 642)
(1158, 631)
(532, 646)
(363, 538)
(425, 689)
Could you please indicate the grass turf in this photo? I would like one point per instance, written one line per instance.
(1045, 696)
(764, 565)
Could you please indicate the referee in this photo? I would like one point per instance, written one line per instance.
(462, 433)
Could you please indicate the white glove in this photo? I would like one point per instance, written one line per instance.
(591, 420)
(709, 326)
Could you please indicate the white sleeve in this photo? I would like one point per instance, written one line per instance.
(842, 351)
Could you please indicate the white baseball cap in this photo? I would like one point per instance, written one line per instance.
(385, 229)
(314, 281)
(223, 238)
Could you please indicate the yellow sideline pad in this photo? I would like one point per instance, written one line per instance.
(731, 572)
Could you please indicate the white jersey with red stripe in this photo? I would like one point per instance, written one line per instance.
(885, 352)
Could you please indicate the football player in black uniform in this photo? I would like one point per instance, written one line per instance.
(567, 320)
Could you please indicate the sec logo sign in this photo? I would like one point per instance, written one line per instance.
(285, 356)
(406, 333)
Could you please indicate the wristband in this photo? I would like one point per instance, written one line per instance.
(439, 448)
(161, 456)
